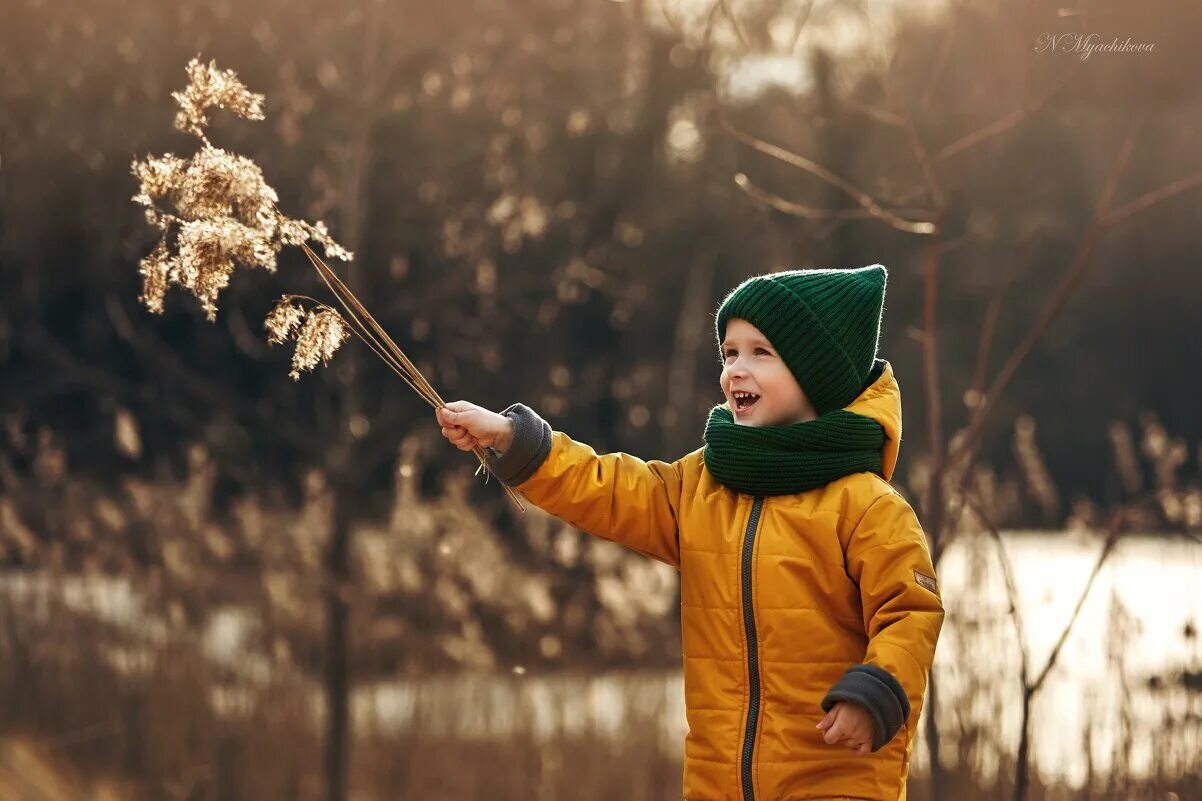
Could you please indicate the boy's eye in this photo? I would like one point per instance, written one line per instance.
(732, 352)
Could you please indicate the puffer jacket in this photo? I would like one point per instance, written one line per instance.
(788, 604)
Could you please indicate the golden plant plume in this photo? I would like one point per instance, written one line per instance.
(221, 212)
(215, 211)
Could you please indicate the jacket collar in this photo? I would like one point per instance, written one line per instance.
(882, 402)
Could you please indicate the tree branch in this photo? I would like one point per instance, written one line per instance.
(1000, 126)
(866, 201)
(1055, 306)
(809, 212)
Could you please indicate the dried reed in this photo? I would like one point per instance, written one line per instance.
(225, 214)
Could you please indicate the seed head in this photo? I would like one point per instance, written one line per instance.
(215, 209)
(283, 320)
(320, 336)
(209, 86)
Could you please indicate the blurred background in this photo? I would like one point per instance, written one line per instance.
(218, 583)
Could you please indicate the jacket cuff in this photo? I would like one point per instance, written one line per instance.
(875, 689)
(529, 449)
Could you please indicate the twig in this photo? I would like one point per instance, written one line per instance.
(808, 212)
(709, 24)
(861, 197)
(367, 338)
(1030, 689)
(930, 364)
(799, 24)
(373, 334)
(984, 343)
(1107, 547)
(735, 23)
(1149, 199)
(881, 115)
(1011, 584)
(945, 50)
(1081, 262)
(1000, 126)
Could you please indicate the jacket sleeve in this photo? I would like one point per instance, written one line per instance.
(887, 556)
(614, 496)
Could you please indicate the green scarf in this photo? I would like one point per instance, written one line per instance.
(784, 460)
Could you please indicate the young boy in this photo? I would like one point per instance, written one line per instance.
(806, 582)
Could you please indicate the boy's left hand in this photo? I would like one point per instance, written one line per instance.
(849, 724)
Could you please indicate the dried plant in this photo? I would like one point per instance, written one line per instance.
(221, 213)
(224, 212)
(1038, 478)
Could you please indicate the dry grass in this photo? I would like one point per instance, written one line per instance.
(151, 730)
(221, 213)
(146, 712)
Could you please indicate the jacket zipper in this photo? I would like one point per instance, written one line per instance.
(753, 656)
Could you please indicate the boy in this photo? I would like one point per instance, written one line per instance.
(806, 582)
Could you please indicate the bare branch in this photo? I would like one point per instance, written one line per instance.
(709, 24)
(809, 212)
(799, 24)
(1055, 306)
(1149, 199)
(924, 161)
(673, 23)
(1107, 548)
(930, 372)
(883, 116)
(1011, 586)
(984, 343)
(945, 51)
(865, 200)
(1009, 121)
(735, 23)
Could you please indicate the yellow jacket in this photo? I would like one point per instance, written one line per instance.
(788, 603)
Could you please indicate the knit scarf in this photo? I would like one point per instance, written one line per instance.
(784, 460)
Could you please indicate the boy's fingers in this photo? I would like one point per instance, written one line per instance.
(834, 734)
(459, 407)
(827, 720)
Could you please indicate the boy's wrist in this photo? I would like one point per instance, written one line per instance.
(529, 443)
(877, 691)
(505, 438)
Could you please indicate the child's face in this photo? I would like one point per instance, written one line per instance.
(751, 364)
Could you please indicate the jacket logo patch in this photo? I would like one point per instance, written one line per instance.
(926, 581)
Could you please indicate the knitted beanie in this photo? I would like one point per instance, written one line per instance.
(825, 324)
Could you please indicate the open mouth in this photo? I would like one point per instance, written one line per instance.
(744, 401)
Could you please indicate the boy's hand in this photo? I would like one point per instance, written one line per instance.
(850, 724)
(467, 425)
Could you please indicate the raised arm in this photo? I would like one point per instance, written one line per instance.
(887, 556)
(614, 496)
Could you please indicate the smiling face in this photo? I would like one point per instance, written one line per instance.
(752, 365)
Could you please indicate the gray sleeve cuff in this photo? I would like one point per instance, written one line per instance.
(529, 449)
(875, 689)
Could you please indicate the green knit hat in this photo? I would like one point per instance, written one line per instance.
(825, 324)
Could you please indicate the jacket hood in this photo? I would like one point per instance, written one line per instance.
(881, 401)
